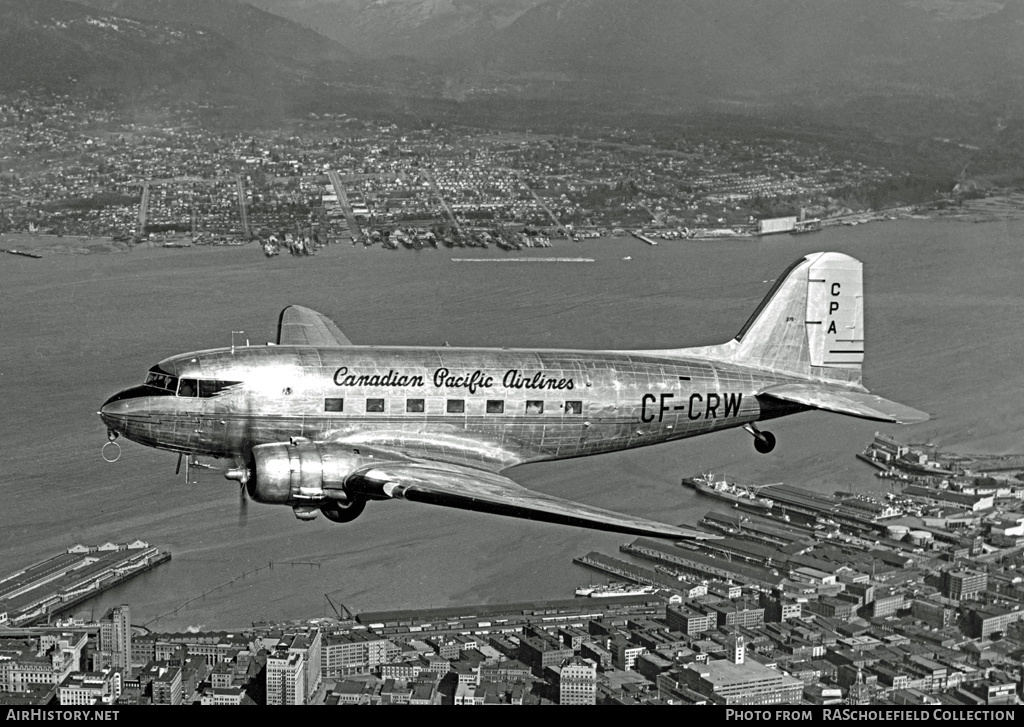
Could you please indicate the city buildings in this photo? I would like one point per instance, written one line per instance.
(89, 688)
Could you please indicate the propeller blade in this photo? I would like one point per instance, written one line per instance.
(243, 507)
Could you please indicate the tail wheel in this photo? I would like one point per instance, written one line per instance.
(764, 442)
(343, 512)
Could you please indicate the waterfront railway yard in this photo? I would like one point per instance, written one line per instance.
(507, 617)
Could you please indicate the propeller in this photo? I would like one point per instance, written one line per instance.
(243, 506)
(240, 474)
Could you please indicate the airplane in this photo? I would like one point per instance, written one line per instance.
(323, 426)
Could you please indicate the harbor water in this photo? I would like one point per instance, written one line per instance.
(943, 319)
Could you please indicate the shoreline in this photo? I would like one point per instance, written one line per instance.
(1004, 207)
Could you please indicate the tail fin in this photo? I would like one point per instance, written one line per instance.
(811, 323)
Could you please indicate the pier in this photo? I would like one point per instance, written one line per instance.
(640, 236)
(522, 259)
(698, 563)
(623, 570)
(346, 207)
(62, 582)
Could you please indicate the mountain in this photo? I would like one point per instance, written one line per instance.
(931, 68)
(416, 28)
(751, 50)
(260, 62)
(244, 25)
(867, 61)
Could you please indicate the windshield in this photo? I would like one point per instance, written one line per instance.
(202, 388)
(162, 381)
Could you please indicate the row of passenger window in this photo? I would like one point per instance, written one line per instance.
(457, 406)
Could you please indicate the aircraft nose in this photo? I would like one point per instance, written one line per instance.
(112, 414)
(114, 410)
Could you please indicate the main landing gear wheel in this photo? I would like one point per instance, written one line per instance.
(764, 442)
(343, 512)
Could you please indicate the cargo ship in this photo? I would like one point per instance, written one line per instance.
(736, 494)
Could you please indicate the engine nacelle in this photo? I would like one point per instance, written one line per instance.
(284, 473)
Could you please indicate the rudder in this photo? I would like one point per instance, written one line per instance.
(811, 323)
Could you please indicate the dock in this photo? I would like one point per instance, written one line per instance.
(623, 570)
(640, 236)
(700, 564)
(34, 594)
(522, 259)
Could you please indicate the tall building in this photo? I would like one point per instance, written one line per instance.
(309, 646)
(116, 638)
(577, 682)
(286, 678)
(166, 685)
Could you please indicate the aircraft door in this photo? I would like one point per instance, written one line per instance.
(597, 405)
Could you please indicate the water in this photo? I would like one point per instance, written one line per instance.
(943, 317)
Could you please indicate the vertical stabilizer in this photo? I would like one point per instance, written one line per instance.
(811, 323)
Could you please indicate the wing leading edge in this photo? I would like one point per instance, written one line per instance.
(299, 326)
(470, 489)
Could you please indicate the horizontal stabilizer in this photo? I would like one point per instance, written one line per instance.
(845, 401)
(299, 326)
(470, 489)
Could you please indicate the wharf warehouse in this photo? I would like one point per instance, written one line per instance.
(776, 225)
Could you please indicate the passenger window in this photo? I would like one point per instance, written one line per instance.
(334, 405)
(535, 407)
(374, 406)
(187, 387)
(456, 406)
(574, 407)
(414, 406)
(495, 406)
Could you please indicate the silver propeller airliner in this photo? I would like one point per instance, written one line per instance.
(321, 425)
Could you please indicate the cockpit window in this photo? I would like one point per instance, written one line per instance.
(162, 381)
(209, 387)
(203, 388)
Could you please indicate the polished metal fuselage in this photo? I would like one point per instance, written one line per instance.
(399, 398)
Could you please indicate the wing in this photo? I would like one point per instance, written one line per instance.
(471, 489)
(845, 401)
(300, 326)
